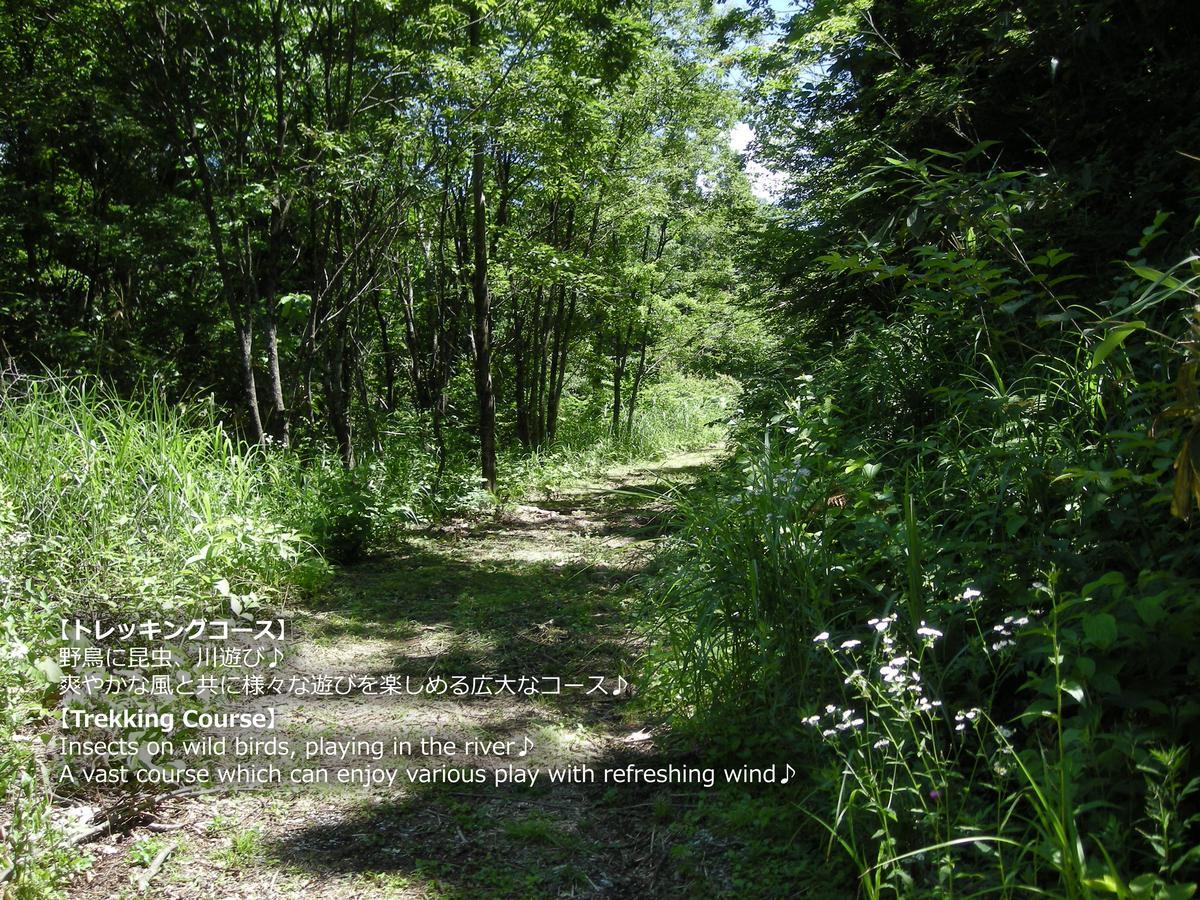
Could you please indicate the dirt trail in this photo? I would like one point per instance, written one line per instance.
(543, 589)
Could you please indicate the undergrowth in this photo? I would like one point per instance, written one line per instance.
(950, 566)
(120, 508)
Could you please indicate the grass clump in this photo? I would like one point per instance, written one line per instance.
(139, 501)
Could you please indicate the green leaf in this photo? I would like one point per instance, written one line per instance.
(1100, 629)
(1150, 610)
(1110, 884)
(1113, 340)
(1075, 689)
(1109, 579)
(1159, 277)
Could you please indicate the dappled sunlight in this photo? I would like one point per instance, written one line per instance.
(538, 590)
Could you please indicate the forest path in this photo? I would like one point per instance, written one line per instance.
(541, 589)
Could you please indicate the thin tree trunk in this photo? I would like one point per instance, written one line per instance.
(279, 210)
(637, 383)
(482, 333)
(280, 429)
(254, 428)
(619, 376)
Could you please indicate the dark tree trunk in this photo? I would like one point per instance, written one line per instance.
(633, 390)
(254, 429)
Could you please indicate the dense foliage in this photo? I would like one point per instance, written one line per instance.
(333, 217)
(305, 273)
(952, 561)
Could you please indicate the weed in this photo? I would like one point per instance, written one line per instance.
(245, 847)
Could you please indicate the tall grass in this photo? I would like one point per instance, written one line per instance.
(753, 581)
(120, 507)
(140, 501)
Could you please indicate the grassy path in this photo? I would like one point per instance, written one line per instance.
(542, 589)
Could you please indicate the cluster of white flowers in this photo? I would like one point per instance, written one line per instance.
(899, 687)
(893, 672)
(1005, 630)
(839, 720)
(882, 675)
(963, 716)
(882, 625)
(901, 679)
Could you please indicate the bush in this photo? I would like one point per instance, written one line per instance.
(946, 567)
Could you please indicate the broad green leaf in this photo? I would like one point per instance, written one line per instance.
(1075, 689)
(1100, 629)
(1114, 339)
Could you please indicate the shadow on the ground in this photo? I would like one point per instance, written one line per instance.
(450, 615)
(546, 841)
(478, 600)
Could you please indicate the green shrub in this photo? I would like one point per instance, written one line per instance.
(994, 464)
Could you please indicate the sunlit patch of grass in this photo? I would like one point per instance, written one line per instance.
(244, 848)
